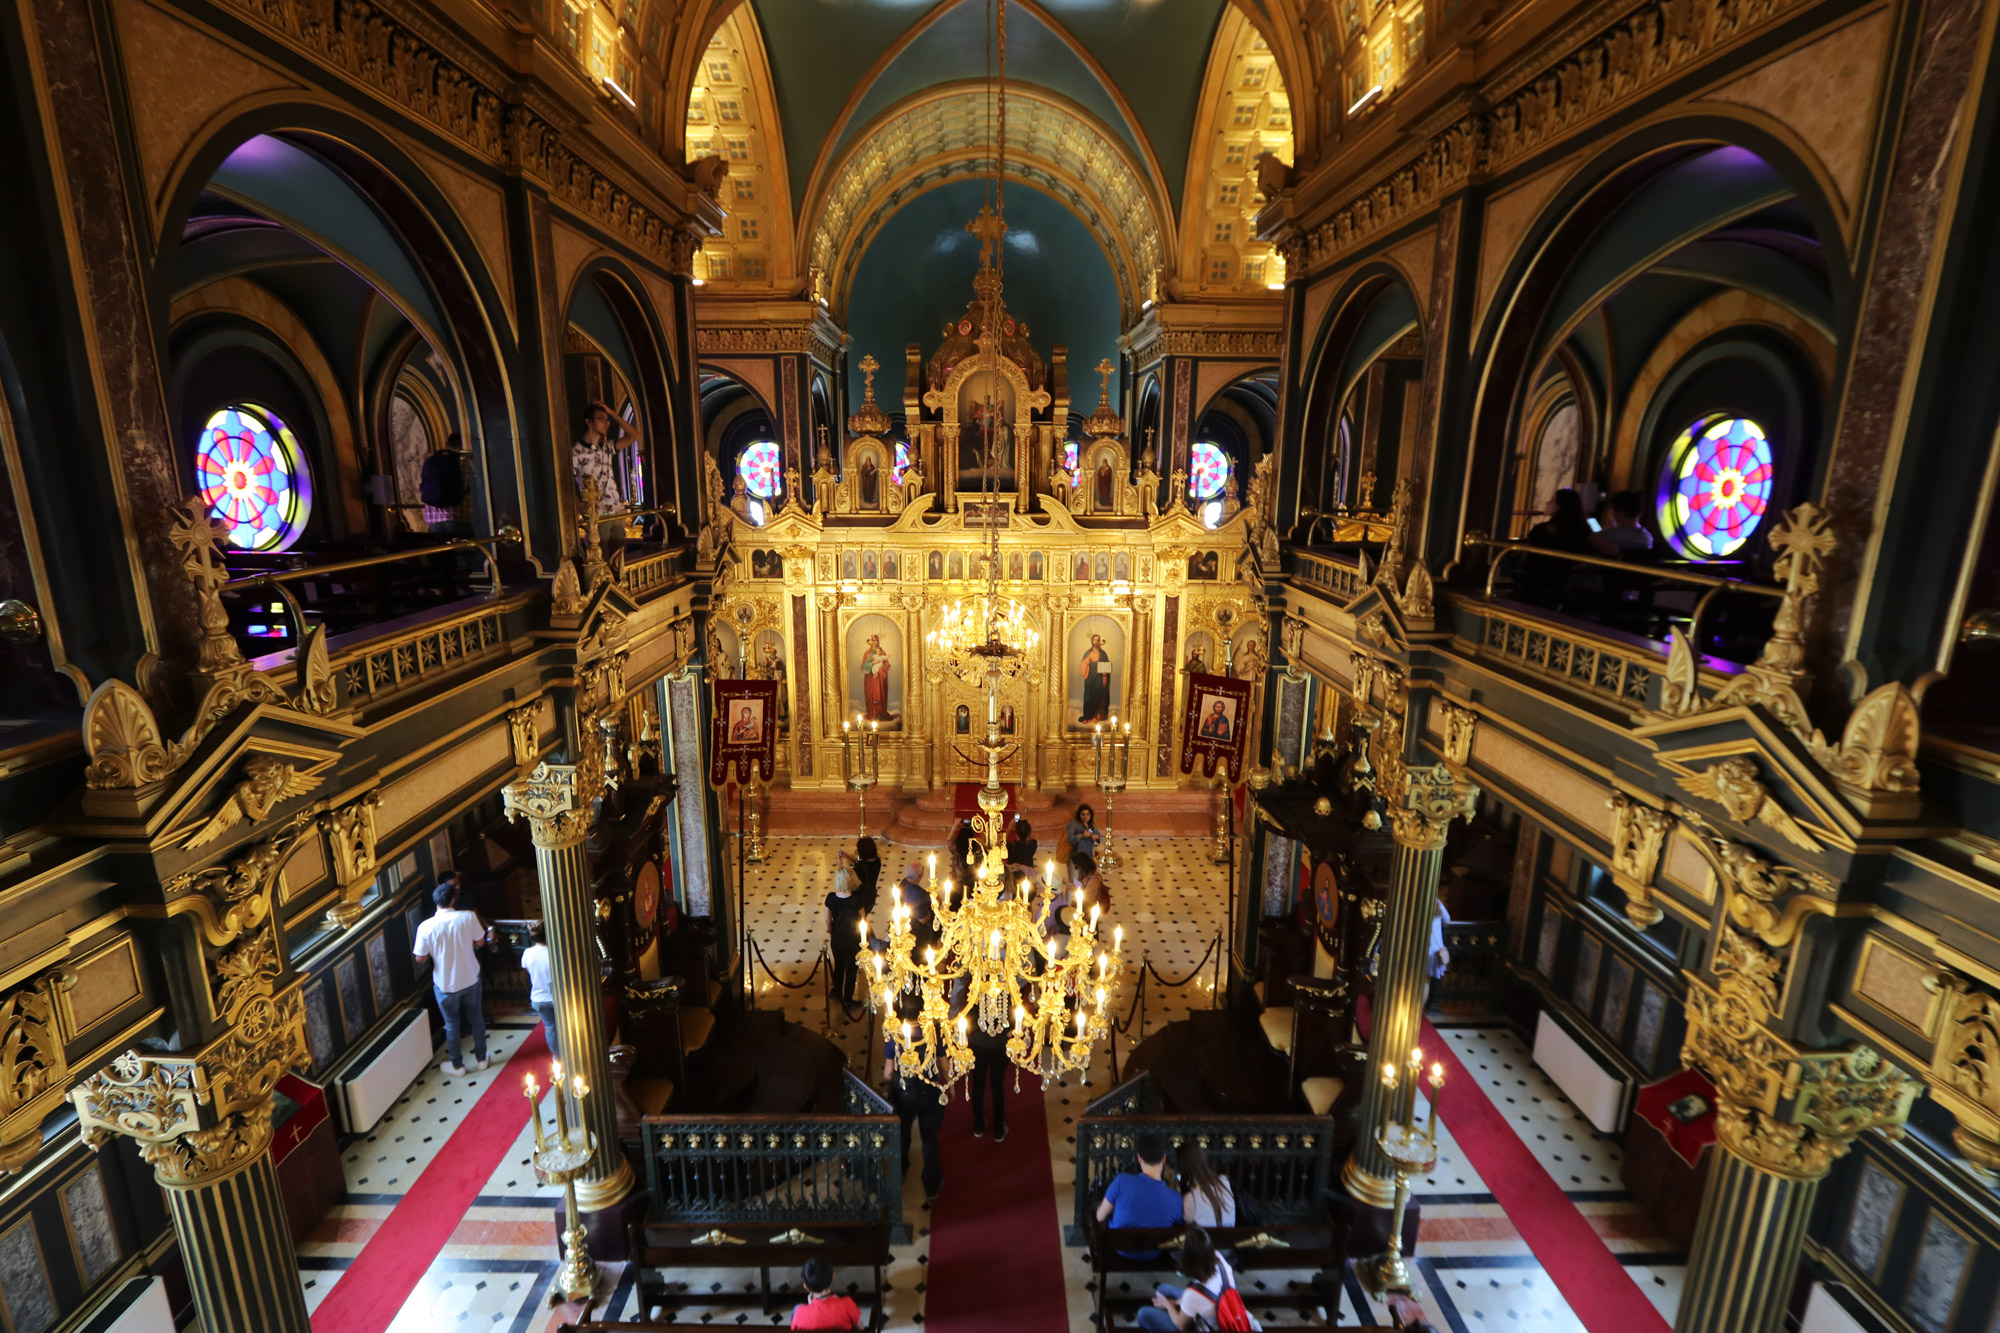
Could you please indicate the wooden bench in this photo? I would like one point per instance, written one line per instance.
(658, 1247)
(1279, 1247)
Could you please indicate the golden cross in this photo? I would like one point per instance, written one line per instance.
(196, 533)
(988, 227)
(869, 365)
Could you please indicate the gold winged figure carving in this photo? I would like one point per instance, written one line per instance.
(266, 782)
(1734, 785)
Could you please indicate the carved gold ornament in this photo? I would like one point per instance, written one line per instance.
(1431, 799)
(1965, 1070)
(228, 900)
(524, 734)
(350, 838)
(267, 782)
(197, 1118)
(123, 740)
(556, 802)
(33, 1071)
(1787, 1111)
(1734, 785)
(1459, 725)
(1638, 833)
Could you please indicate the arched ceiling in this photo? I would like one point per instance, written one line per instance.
(730, 115)
(942, 135)
(1244, 112)
(837, 63)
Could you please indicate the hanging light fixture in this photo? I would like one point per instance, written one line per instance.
(993, 958)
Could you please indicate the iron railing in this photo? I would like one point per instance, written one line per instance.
(788, 1170)
(1281, 1163)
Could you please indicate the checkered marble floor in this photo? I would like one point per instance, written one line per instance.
(1474, 1273)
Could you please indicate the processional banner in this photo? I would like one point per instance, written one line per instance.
(746, 730)
(1215, 724)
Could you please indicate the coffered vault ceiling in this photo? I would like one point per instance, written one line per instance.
(1143, 59)
(943, 136)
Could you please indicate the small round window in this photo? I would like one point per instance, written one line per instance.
(1716, 487)
(1208, 470)
(253, 478)
(760, 471)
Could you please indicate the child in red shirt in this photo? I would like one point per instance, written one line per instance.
(823, 1309)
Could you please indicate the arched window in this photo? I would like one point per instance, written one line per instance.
(1716, 486)
(1208, 474)
(1069, 461)
(902, 463)
(253, 478)
(758, 465)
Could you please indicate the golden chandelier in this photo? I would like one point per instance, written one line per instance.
(995, 962)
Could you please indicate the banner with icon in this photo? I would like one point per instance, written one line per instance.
(746, 730)
(1215, 725)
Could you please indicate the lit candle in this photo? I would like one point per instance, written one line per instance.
(1100, 997)
(996, 943)
(1389, 1077)
(1101, 962)
(1020, 1017)
(534, 1109)
(1437, 1086)
(1096, 910)
(961, 1029)
(933, 861)
(562, 1108)
(864, 932)
(906, 1036)
(1081, 1018)
(878, 967)
(1117, 938)
(930, 956)
(1416, 1077)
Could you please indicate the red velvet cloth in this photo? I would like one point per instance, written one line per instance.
(312, 1110)
(1686, 1137)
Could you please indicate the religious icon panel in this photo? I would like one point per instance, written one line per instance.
(875, 671)
(1095, 663)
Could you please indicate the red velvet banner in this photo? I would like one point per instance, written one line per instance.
(746, 730)
(1215, 724)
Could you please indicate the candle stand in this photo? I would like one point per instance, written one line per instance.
(560, 1158)
(1412, 1151)
(1111, 778)
(753, 842)
(1221, 853)
(861, 761)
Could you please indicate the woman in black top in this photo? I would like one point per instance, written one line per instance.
(1021, 847)
(961, 850)
(843, 934)
(867, 873)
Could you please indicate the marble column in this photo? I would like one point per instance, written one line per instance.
(1431, 799)
(558, 801)
(203, 1122)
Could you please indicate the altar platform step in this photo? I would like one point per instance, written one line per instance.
(926, 820)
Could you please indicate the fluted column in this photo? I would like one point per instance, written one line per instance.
(1746, 1248)
(1783, 1117)
(1431, 799)
(204, 1123)
(557, 800)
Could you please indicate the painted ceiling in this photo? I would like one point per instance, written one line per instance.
(1148, 54)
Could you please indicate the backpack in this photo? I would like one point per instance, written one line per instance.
(1231, 1314)
(442, 483)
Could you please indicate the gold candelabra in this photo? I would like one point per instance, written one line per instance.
(1111, 778)
(993, 960)
(1413, 1151)
(559, 1159)
(861, 760)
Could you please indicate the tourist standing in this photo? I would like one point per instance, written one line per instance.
(989, 1069)
(843, 933)
(867, 874)
(916, 1102)
(541, 993)
(448, 940)
(1081, 836)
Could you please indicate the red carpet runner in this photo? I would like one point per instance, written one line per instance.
(394, 1260)
(1570, 1251)
(996, 1252)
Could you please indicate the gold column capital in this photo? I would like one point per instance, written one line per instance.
(1785, 1110)
(557, 800)
(1431, 799)
(199, 1117)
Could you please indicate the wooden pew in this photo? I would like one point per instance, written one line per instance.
(1267, 1247)
(659, 1248)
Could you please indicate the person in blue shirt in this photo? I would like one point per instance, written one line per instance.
(1141, 1198)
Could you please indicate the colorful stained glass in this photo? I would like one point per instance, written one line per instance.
(1717, 486)
(902, 464)
(251, 477)
(760, 471)
(1069, 460)
(1208, 470)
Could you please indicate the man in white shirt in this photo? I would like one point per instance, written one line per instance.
(535, 962)
(447, 939)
